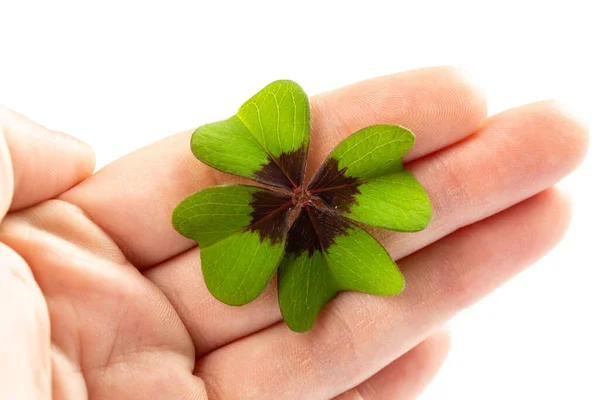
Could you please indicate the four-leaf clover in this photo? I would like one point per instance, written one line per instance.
(307, 231)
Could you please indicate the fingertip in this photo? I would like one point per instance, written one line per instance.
(438, 345)
(44, 163)
(550, 139)
(443, 337)
(82, 154)
(575, 129)
(558, 208)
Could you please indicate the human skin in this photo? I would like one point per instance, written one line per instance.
(100, 298)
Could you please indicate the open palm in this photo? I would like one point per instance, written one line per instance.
(100, 298)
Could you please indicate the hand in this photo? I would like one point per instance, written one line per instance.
(118, 309)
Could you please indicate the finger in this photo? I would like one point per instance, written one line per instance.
(45, 163)
(6, 177)
(406, 377)
(358, 334)
(24, 332)
(439, 104)
(516, 154)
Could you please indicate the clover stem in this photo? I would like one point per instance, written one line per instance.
(301, 196)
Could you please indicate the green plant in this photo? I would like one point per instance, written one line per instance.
(305, 229)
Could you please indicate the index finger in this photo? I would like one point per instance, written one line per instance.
(36, 163)
(132, 199)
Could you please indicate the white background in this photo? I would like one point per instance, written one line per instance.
(120, 75)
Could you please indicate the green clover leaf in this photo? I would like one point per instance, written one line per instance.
(305, 230)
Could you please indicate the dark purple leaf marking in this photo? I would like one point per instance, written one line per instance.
(286, 171)
(335, 189)
(271, 214)
(315, 229)
(310, 214)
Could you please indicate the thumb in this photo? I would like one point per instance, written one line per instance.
(25, 371)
